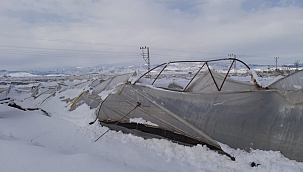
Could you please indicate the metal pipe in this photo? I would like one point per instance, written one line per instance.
(148, 72)
(211, 74)
(159, 74)
(194, 76)
(190, 61)
(226, 75)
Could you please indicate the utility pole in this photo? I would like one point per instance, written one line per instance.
(145, 56)
(276, 58)
(230, 55)
(234, 56)
(235, 62)
(297, 64)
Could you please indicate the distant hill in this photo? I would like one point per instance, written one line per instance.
(125, 69)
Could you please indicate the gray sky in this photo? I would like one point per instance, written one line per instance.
(48, 34)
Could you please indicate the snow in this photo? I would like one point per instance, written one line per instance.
(31, 141)
(141, 121)
(105, 93)
(21, 74)
(255, 77)
(298, 87)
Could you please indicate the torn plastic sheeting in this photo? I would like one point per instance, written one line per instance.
(110, 83)
(293, 82)
(243, 119)
(205, 83)
(116, 105)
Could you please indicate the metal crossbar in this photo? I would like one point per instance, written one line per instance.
(205, 62)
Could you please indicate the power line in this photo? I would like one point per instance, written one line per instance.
(98, 43)
(50, 53)
(183, 51)
(95, 43)
(59, 49)
(63, 40)
(60, 55)
(190, 53)
(106, 44)
(25, 50)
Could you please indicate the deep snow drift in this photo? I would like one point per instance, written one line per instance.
(31, 141)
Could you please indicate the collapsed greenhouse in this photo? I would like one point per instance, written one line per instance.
(206, 108)
(209, 109)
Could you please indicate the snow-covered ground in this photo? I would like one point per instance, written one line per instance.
(31, 141)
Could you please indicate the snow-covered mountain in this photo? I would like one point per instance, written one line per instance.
(221, 66)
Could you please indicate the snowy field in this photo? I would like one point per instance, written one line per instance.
(32, 141)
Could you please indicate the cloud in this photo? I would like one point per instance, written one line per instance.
(48, 34)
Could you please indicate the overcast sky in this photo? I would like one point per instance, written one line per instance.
(48, 34)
